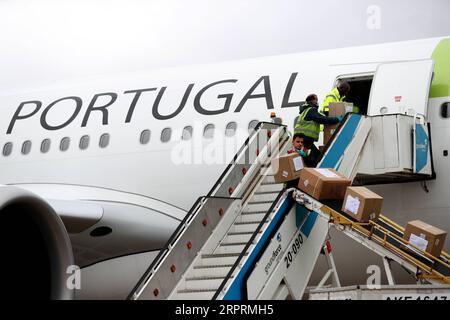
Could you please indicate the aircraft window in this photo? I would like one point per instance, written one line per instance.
(45, 145)
(187, 133)
(145, 137)
(445, 112)
(7, 149)
(208, 132)
(166, 134)
(104, 140)
(252, 125)
(64, 145)
(230, 130)
(84, 142)
(26, 147)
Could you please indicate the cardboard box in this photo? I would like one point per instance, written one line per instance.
(336, 109)
(362, 204)
(328, 132)
(425, 237)
(323, 184)
(287, 167)
(339, 108)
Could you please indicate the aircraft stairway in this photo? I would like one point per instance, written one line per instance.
(250, 238)
(222, 227)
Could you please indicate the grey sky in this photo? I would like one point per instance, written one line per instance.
(50, 41)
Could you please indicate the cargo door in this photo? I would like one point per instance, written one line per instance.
(401, 87)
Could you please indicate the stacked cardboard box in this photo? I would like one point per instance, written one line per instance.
(323, 184)
(425, 237)
(362, 204)
(286, 168)
(336, 109)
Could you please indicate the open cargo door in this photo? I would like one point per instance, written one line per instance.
(401, 87)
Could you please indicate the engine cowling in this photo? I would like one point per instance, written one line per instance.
(36, 249)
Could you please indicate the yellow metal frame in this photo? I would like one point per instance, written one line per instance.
(339, 219)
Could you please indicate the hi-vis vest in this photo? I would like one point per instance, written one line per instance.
(334, 96)
(308, 128)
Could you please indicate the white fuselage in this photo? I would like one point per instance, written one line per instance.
(179, 171)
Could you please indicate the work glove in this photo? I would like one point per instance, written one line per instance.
(304, 152)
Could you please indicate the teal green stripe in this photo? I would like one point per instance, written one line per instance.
(440, 87)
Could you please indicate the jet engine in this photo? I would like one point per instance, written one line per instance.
(35, 248)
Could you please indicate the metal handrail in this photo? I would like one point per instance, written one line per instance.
(358, 227)
(196, 208)
(163, 252)
(406, 243)
(241, 151)
(247, 246)
(169, 244)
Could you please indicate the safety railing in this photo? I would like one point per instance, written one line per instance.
(384, 237)
(220, 292)
(234, 183)
(182, 247)
(265, 135)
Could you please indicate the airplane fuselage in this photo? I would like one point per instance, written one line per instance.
(166, 135)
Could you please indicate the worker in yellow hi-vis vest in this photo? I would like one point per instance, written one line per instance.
(308, 124)
(338, 94)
